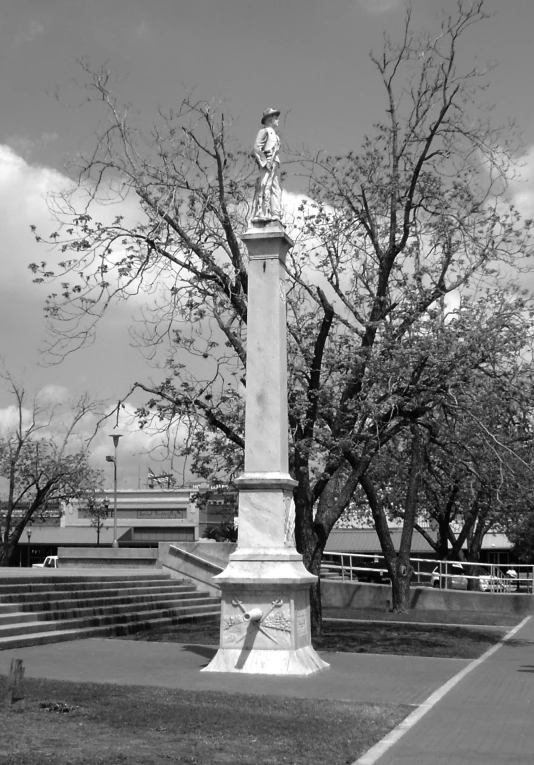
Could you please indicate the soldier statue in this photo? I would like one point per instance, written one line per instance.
(267, 203)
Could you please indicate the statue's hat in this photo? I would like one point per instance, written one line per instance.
(269, 113)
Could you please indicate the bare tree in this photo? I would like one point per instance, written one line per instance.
(42, 460)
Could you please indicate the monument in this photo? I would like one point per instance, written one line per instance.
(265, 610)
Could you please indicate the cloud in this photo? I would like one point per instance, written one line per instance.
(25, 147)
(137, 449)
(380, 6)
(52, 412)
(108, 367)
(9, 419)
(49, 413)
(32, 29)
(142, 31)
(54, 394)
(521, 185)
(23, 188)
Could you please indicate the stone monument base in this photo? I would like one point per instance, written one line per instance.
(265, 616)
(257, 661)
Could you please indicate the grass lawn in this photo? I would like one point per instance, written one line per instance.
(408, 639)
(88, 724)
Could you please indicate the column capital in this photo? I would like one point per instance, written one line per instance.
(269, 241)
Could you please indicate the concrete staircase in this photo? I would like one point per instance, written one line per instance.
(49, 609)
(108, 557)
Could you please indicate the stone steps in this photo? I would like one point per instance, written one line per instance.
(87, 583)
(119, 557)
(66, 576)
(199, 603)
(19, 617)
(109, 619)
(37, 611)
(55, 606)
(16, 617)
(72, 596)
(61, 635)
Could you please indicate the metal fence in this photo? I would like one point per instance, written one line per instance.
(442, 574)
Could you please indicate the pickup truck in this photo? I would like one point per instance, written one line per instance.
(49, 562)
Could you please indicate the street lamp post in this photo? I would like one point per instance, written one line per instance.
(113, 459)
(29, 533)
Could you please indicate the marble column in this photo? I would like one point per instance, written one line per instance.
(265, 611)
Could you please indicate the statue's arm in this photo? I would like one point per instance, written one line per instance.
(259, 146)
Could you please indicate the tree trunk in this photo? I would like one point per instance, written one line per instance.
(313, 565)
(443, 539)
(398, 564)
(316, 608)
(400, 583)
(309, 546)
(473, 585)
(400, 588)
(7, 552)
(474, 548)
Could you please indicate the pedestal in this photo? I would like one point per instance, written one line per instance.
(265, 612)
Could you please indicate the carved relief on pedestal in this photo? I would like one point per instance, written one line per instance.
(275, 625)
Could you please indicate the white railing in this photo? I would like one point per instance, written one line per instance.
(491, 577)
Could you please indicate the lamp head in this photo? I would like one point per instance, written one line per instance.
(115, 437)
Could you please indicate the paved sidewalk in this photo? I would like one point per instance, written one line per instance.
(354, 677)
(487, 718)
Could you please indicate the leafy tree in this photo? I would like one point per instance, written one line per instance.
(521, 535)
(42, 460)
(97, 510)
(474, 484)
(472, 455)
(418, 214)
(225, 531)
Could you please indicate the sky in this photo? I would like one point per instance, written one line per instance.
(309, 58)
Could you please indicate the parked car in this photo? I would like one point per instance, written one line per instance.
(51, 561)
(457, 579)
(379, 576)
(497, 581)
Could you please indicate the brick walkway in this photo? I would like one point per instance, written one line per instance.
(487, 718)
